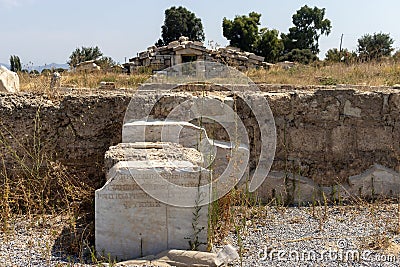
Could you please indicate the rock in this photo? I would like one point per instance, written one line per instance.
(149, 204)
(9, 81)
(289, 187)
(227, 255)
(376, 181)
(107, 85)
(174, 257)
(351, 111)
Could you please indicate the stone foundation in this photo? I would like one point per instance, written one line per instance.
(325, 134)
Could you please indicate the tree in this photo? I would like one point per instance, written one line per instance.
(15, 63)
(242, 31)
(309, 25)
(180, 22)
(334, 55)
(105, 62)
(374, 46)
(269, 45)
(303, 56)
(84, 54)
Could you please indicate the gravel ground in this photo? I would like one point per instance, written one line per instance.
(270, 236)
(337, 236)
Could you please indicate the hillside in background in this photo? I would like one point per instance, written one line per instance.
(40, 68)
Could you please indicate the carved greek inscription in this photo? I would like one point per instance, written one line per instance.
(138, 195)
(147, 204)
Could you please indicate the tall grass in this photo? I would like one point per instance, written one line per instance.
(385, 73)
(36, 187)
(41, 83)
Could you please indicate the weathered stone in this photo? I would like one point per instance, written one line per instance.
(179, 132)
(376, 181)
(174, 257)
(228, 254)
(131, 223)
(9, 81)
(349, 110)
(285, 187)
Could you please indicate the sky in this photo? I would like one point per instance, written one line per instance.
(47, 31)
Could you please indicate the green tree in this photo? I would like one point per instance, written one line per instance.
(84, 54)
(309, 25)
(105, 62)
(303, 56)
(180, 22)
(374, 46)
(15, 63)
(242, 31)
(269, 45)
(334, 55)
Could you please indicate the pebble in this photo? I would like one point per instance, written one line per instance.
(270, 236)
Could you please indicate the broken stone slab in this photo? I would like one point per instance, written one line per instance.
(228, 254)
(174, 257)
(179, 132)
(142, 151)
(9, 81)
(130, 223)
(337, 193)
(288, 187)
(374, 182)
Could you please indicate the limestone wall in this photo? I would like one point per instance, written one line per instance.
(326, 134)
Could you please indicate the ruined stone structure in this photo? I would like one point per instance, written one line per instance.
(88, 66)
(325, 135)
(184, 50)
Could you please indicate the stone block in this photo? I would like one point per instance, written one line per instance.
(132, 218)
(376, 181)
(343, 140)
(9, 81)
(289, 187)
(307, 139)
(374, 138)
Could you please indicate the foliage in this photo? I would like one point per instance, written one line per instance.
(269, 45)
(303, 56)
(374, 46)
(106, 62)
(84, 54)
(180, 22)
(309, 25)
(242, 31)
(46, 72)
(334, 55)
(15, 63)
(396, 56)
(34, 72)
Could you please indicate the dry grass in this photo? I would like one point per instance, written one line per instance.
(41, 83)
(369, 74)
(386, 73)
(34, 186)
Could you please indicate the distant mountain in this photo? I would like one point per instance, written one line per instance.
(49, 66)
(40, 68)
(5, 65)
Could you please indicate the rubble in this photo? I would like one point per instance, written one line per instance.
(184, 50)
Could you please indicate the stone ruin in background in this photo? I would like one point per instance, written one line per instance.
(184, 50)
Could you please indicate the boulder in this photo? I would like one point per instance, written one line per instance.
(9, 81)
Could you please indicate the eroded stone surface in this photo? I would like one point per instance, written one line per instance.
(376, 181)
(130, 223)
(9, 81)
